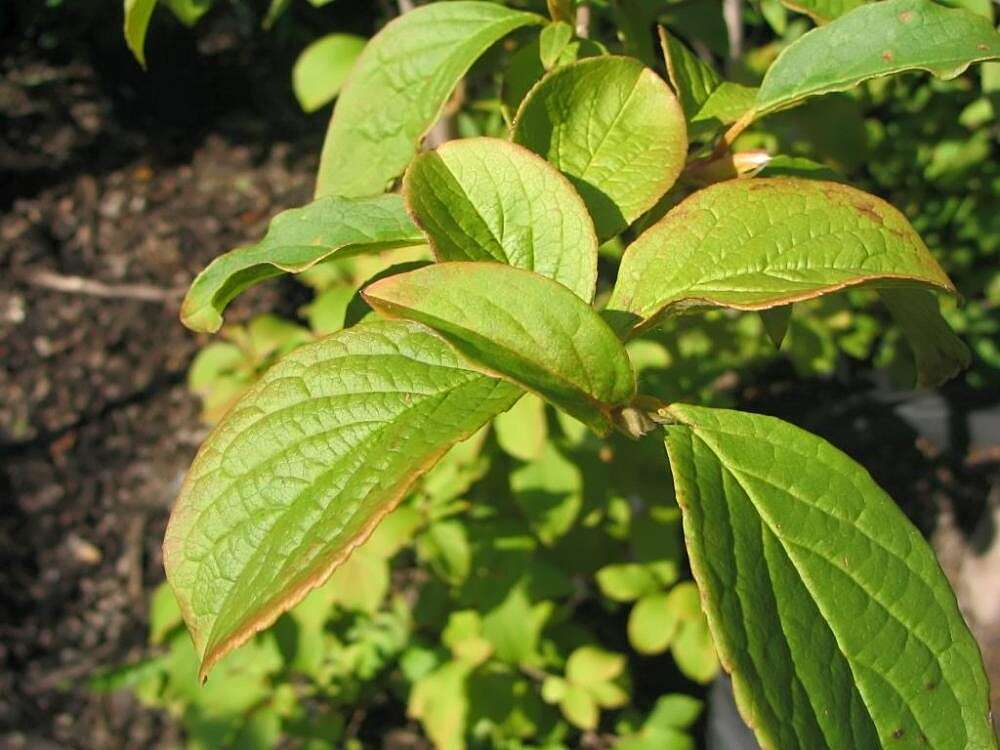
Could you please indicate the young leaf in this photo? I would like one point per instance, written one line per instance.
(486, 199)
(938, 353)
(297, 240)
(775, 321)
(614, 128)
(826, 604)
(322, 68)
(399, 86)
(752, 244)
(874, 40)
(522, 325)
(137, 15)
(823, 11)
(305, 466)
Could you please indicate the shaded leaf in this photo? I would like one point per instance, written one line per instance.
(485, 199)
(614, 128)
(137, 15)
(938, 353)
(526, 327)
(297, 240)
(399, 87)
(827, 606)
(823, 11)
(305, 466)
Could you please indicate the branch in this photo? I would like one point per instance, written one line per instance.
(80, 285)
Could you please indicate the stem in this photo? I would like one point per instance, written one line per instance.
(404, 6)
(80, 285)
(583, 21)
(732, 13)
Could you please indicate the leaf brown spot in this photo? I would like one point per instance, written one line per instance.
(869, 211)
(981, 47)
(898, 734)
(887, 56)
(906, 16)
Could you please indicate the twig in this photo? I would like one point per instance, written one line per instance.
(732, 13)
(405, 6)
(79, 285)
(583, 21)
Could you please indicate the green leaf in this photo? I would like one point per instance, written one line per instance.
(938, 353)
(399, 87)
(626, 582)
(874, 40)
(549, 492)
(522, 431)
(652, 624)
(822, 11)
(579, 708)
(752, 244)
(588, 666)
(305, 466)
(486, 199)
(552, 43)
(775, 321)
(189, 12)
(322, 67)
(827, 606)
(164, 614)
(522, 325)
(562, 10)
(297, 240)
(137, 15)
(614, 128)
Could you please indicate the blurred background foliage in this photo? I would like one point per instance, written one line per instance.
(532, 591)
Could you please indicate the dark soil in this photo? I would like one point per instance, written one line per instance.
(103, 181)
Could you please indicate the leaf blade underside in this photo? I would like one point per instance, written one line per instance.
(306, 464)
(826, 604)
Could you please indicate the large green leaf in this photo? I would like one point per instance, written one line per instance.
(757, 243)
(398, 88)
(522, 325)
(826, 604)
(297, 240)
(614, 128)
(877, 39)
(823, 11)
(305, 466)
(487, 199)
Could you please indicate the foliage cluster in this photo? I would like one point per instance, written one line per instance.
(529, 582)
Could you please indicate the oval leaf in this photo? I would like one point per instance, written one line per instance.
(938, 354)
(486, 199)
(137, 16)
(306, 465)
(522, 325)
(823, 11)
(874, 40)
(398, 88)
(752, 244)
(297, 240)
(322, 68)
(826, 604)
(614, 128)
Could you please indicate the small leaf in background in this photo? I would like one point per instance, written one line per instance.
(189, 12)
(877, 39)
(522, 325)
(327, 311)
(939, 355)
(399, 86)
(614, 128)
(525, 68)
(439, 702)
(828, 606)
(552, 43)
(652, 624)
(692, 646)
(549, 492)
(523, 429)
(823, 11)
(562, 10)
(626, 582)
(322, 67)
(770, 242)
(482, 199)
(164, 614)
(665, 727)
(137, 15)
(269, 481)
(445, 546)
(580, 708)
(297, 240)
